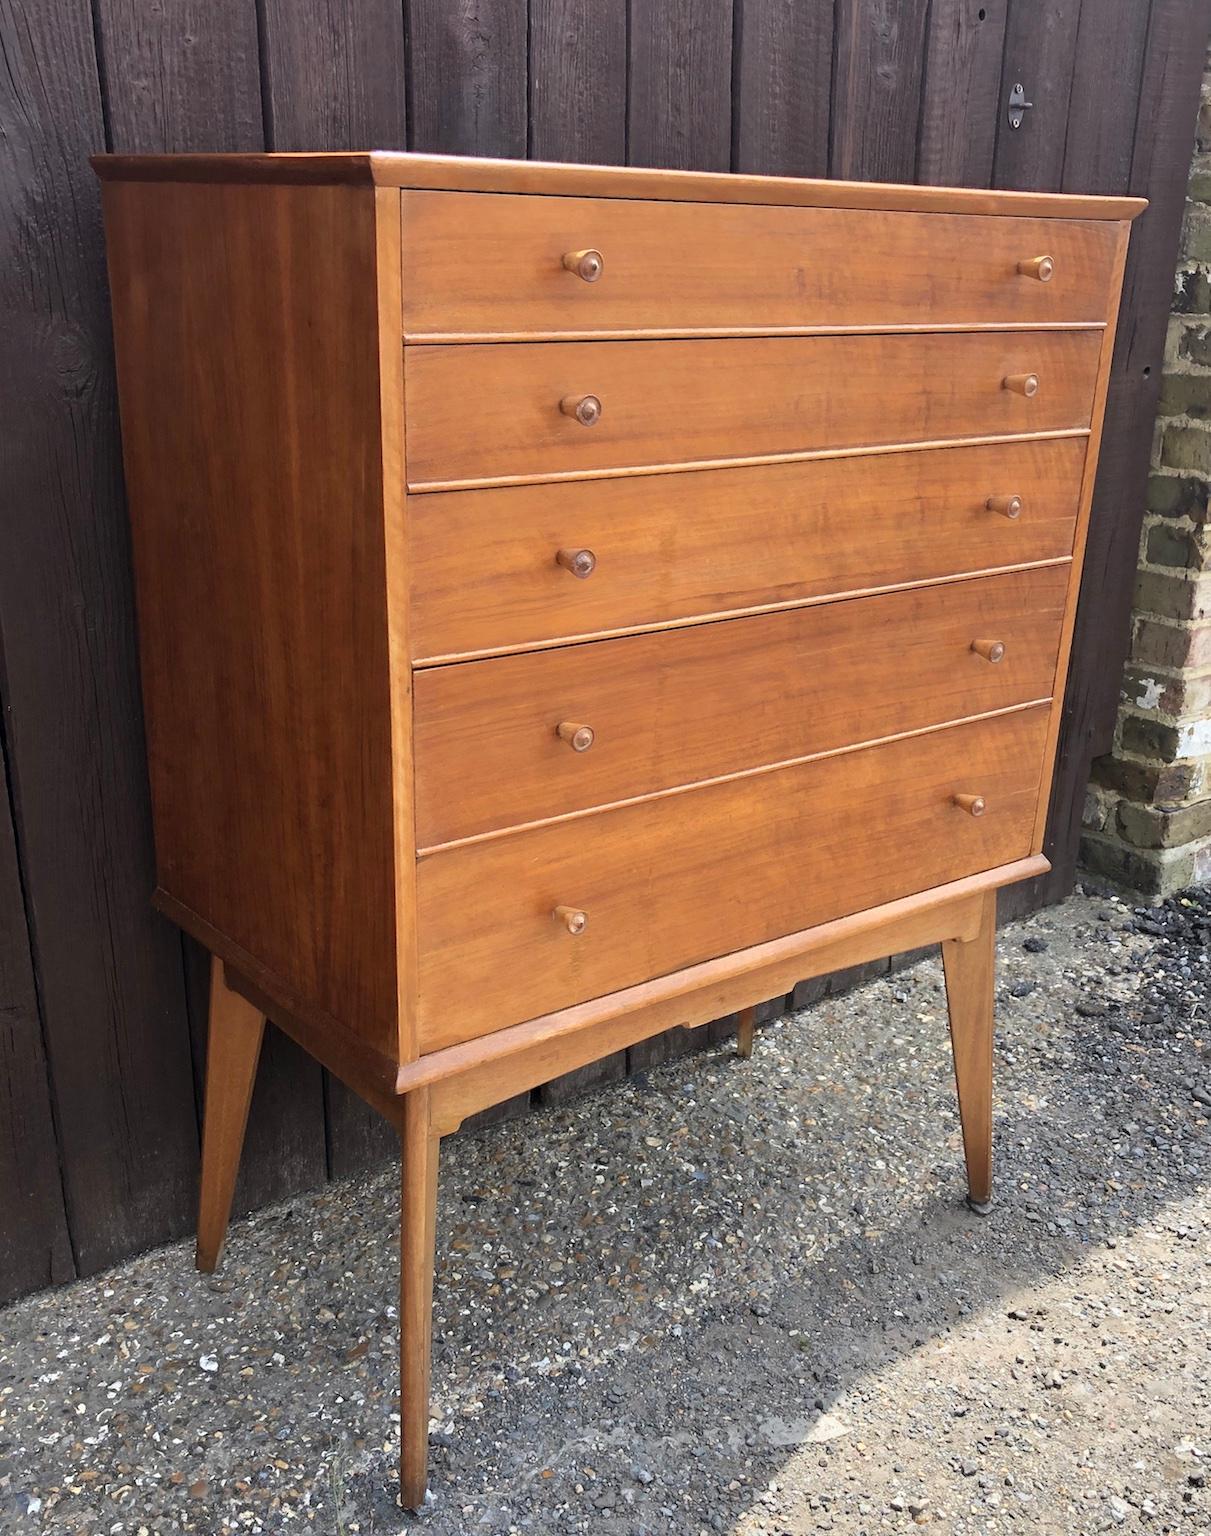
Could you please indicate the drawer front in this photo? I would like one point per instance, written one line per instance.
(494, 263)
(497, 412)
(673, 881)
(672, 547)
(671, 708)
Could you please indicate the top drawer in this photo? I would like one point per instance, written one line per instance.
(480, 263)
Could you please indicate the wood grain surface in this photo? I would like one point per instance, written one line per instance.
(679, 75)
(493, 413)
(578, 81)
(671, 708)
(782, 73)
(333, 75)
(467, 1076)
(483, 262)
(33, 1214)
(669, 882)
(110, 982)
(878, 65)
(468, 67)
(961, 105)
(269, 733)
(675, 547)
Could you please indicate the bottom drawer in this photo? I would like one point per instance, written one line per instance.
(674, 880)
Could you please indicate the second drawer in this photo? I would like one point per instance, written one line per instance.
(517, 739)
(508, 411)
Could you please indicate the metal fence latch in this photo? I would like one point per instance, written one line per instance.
(1018, 106)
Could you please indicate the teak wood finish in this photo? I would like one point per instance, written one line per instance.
(490, 413)
(491, 265)
(576, 603)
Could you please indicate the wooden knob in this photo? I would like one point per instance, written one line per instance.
(579, 737)
(990, 650)
(1007, 506)
(1022, 383)
(972, 804)
(573, 920)
(591, 264)
(1041, 267)
(585, 408)
(581, 562)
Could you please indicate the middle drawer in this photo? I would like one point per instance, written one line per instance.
(647, 712)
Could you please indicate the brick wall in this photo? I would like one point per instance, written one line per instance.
(1148, 810)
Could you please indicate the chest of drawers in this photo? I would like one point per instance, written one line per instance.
(576, 603)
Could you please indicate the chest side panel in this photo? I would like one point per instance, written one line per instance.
(247, 341)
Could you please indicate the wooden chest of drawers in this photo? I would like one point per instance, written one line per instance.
(576, 603)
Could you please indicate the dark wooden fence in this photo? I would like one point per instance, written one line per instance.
(101, 1005)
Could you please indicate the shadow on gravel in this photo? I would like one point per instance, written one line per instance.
(653, 1305)
(1101, 1125)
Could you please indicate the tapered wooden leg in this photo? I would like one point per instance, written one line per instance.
(418, 1221)
(745, 1020)
(970, 972)
(236, 1030)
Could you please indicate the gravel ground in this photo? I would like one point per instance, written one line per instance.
(727, 1296)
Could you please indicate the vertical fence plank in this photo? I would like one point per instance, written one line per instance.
(334, 75)
(678, 112)
(1102, 120)
(109, 969)
(336, 80)
(468, 77)
(1040, 54)
(180, 78)
(960, 103)
(782, 81)
(1174, 55)
(578, 81)
(880, 50)
(34, 1247)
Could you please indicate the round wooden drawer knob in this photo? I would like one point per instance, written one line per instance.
(972, 804)
(572, 919)
(581, 562)
(990, 650)
(1041, 267)
(579, 737)
(586, 409)
(586, 264)
(1022, 383)
(1007, 506)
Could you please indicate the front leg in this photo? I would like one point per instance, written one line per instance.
(970, 967)
(236, 1029)
(418, 1221)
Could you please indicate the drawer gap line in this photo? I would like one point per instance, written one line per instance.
(730, 778)
(690, 466)
(740, 332)
(725, 616)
